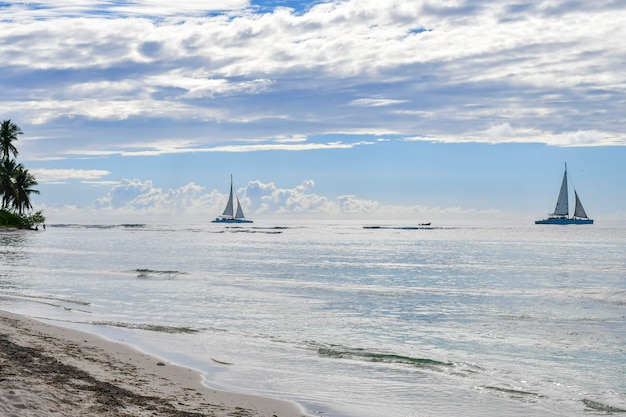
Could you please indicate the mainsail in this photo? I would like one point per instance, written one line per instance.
(562, 207)
(228, 211)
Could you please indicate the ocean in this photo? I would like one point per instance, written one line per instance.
(350, 319)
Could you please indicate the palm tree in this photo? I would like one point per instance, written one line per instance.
(23, 183)
(9, 132)
(8, 171)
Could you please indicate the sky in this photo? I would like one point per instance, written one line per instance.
(377, 110)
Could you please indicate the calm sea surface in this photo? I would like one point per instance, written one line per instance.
(347, 320)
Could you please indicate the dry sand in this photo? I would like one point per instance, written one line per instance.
(47, 371)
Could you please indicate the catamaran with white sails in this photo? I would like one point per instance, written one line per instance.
(230, 215)
(561, 211)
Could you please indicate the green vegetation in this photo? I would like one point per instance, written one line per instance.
(16, 183)
(22, 221)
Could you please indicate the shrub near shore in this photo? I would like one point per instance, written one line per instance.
(21, 221)
(16, 183)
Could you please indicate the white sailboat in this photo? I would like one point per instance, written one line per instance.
(561, 211)
(230, 215)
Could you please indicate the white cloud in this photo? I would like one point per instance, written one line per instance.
(184, 7)
(500, 130)
(53, 8)
(364, 131)
(179, 147)
(45, 175)
(350, 204)
(198, 85)
(143, 196)
(268, 198)
(585, 138)
(286, 146)
(291, 139)
(375, 102)
(108, 110)
(505, 133)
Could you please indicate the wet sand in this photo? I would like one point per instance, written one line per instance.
(47, 370)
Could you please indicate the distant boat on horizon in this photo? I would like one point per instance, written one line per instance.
(561, 211)
(230, 215)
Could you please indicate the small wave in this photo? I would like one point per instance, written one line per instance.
(340, 352)
(617, 298)
(418, 227)
(99, 226)
(267, 232)
(515, 317)
(221, 362)
(594, 405)
(150, 327)
(62, 303)
(514, 393)
(146, 273)
(65, 300)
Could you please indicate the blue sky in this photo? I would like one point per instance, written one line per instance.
(448, 111)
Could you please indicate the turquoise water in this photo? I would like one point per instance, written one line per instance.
(347, 320)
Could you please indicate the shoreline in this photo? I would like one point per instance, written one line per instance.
(48, 370)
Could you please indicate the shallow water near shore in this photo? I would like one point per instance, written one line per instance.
(350, 319)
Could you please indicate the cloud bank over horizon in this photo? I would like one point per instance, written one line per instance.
(136, 200)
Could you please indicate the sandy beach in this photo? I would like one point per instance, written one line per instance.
(47, 370)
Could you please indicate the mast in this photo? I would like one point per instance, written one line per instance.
(562, 205)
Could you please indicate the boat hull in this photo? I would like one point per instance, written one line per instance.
(218, 220)
(564, 221)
